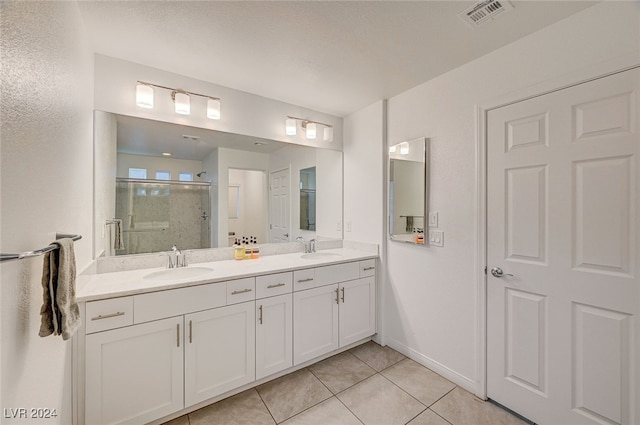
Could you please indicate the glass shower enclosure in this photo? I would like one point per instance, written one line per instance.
(158, 214)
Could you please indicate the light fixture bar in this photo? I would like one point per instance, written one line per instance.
(306, 121)
(180, 90)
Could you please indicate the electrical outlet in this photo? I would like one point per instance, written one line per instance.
(433, 219)
(436, 237)
(339, 226)
(348, 226)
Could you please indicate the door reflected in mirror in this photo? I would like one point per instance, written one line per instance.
(308, 198)
(408, 191)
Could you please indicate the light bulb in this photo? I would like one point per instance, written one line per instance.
(290, 127)
(328, 134)
(393, 148)
(311, 130)
(404, 148)
(182, 103)
(144, 96)
(213, 109)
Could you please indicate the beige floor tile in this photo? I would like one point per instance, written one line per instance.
(425, 385)
(428, 418)
(329, 412)
(462, 408)
(292, 393)
(376, 356)
(341, 371)
(182, 420)
(245, 408)
(377, 401)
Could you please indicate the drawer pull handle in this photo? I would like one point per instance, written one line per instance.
(343, 295)
(260, 314)
(190, 331)
(106, 316)
(277, 285)
(309, 279)
(369, 268)
(241, 292)
(178, 334)
(337, 296)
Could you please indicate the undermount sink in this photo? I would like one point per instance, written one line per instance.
(320, 256)
(178, 273)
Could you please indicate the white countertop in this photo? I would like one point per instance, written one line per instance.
(92, 287)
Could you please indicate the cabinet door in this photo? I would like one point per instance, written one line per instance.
(357, 310)
(274, 335)
(315, 314)
(135, 374)
(219, 351)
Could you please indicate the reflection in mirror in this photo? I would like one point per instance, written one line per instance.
(308, 198)
(231, 172)
(408, 190)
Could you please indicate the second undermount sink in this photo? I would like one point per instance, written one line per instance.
(321, 256)
(178, 273)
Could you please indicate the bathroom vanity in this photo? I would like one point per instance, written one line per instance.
(158, 342)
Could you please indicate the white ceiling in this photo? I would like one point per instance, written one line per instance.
(332, 56)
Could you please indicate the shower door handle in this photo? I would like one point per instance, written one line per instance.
(204, 215)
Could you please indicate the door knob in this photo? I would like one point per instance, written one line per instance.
(286, 235)
(497, 272)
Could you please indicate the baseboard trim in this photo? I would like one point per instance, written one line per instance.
(453, 376)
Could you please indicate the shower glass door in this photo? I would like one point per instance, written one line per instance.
(159, 214)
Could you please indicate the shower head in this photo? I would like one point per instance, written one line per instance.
(201, 173)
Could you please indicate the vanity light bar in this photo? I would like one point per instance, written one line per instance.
(181, 99)
(309, 126)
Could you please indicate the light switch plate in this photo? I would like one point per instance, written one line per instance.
(436, 237)
(433, 219)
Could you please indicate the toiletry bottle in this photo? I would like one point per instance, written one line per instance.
(238, 252)
(255, 252)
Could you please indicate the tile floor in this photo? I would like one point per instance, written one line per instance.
(369, 384)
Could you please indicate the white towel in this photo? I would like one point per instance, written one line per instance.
(60, 314)
(117, 240)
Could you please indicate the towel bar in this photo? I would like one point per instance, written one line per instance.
(37, 252)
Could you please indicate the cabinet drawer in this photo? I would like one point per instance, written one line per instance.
(274, 284)
(368, 268)
(304, 279)
(174, 302)
(108, 314)
(337, 273)
(241, 290)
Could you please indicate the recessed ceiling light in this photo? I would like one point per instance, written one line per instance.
(166, 153)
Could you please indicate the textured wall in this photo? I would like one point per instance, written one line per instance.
(46, 186)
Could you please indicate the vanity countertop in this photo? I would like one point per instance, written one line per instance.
(93, 287)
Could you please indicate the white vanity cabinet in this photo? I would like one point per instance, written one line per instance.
(134, 374)
(153, 354)
(219, 351)
(337, 311)
(274, 324)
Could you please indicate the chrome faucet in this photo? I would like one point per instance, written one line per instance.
(180, 258)
(312, 245)
(307, 247)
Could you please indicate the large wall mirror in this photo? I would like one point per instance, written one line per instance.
(409, 191)
(159, 184)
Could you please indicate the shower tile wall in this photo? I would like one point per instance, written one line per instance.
(156, 216)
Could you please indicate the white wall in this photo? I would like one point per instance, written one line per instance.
(46, 185)
(241, 112)
(431, 299)
(252, 220)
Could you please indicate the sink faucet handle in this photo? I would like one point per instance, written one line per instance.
(312, 245)
(170, 263)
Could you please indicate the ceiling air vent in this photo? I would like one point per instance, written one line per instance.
(483, 11)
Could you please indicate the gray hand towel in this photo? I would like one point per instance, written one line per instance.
(60, 314)
(117, 240)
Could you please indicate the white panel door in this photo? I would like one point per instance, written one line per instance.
(219, 351)
(315, 314)
(562, 197)
(274, 335)
(357, 318)
(134, 374)
(279, 206)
